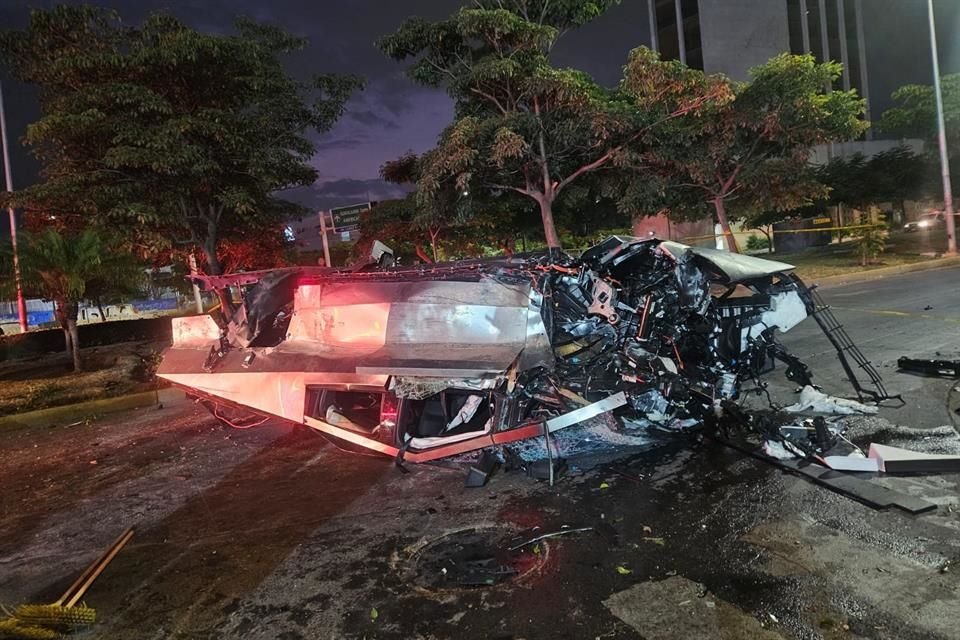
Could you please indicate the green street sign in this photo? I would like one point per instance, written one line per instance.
(348, 218)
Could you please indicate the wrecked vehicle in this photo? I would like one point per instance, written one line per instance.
(429, 361)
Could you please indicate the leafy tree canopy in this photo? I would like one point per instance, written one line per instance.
(753, 152)
(915, 113)
(894, 175)
(173, 134)
(522, 125)
(452, 223)
(69, 268)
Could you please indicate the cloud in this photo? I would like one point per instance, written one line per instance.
(370, 118)
(343, 192)
(357, 147)
(342, 142)
(396, 92)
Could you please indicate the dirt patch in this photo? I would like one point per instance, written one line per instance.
(48, 381)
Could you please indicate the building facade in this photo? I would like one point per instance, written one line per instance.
(733, 36)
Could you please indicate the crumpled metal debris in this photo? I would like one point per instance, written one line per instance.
(943, 367)
(654, 335)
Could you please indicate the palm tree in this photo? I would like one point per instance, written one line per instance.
(69, 269)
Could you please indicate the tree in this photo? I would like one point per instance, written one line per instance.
(69, 269)
(406, 219)
(523, 125)
(899, 174)
(848, 180)
(854, 181)
(394, 222)
(180, 136)
(121, 277)
(464, 222)
(755, 149)
(915, 113)
(894, 175)
(789, 195)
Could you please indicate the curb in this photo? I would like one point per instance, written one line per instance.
(885, 272)
(82, 410)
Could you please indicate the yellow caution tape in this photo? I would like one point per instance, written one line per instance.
(782, 231)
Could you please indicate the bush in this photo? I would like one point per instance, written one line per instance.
(756, 243)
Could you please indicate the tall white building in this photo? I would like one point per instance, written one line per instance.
(732, 36)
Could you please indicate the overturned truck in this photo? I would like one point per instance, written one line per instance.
(429, 361)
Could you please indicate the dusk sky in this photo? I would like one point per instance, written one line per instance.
(393, 115)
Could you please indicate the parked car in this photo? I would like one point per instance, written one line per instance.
(927, 221)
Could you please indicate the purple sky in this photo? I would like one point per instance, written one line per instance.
(394, 115)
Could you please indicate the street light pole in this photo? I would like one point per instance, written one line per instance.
(21, 303)
(942, 139)
(324, 239)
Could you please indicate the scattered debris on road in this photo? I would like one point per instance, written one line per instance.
(537, 537)
(896, 460)
(816, 401)
(930, 367)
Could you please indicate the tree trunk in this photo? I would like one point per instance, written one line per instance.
(422, 254)
(214, 268)
(66, 312)
(67, 338)
(549, 227)
(74, 343)
(545, 198)
(59, 307)
(434, 234)
(769, 235)
(725, 225)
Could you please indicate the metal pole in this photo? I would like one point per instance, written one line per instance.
(844, 54)
(805, 26)
(824, 34)
(942, 139)
(825, 57)
(652, 10)
(681, 42)
(197, 298)
(21, 303)
(323, 237)
(862, 58)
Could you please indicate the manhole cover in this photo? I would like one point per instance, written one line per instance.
(479, 557)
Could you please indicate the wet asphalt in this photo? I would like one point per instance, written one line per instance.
(912, 314)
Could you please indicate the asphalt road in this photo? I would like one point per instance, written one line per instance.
(273, 533)
(913, 314)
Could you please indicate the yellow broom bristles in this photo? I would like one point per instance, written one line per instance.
(55, 614)
(13, 628)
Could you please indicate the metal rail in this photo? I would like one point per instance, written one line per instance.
(846, 349)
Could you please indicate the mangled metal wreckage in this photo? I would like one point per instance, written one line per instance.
(429, 361)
